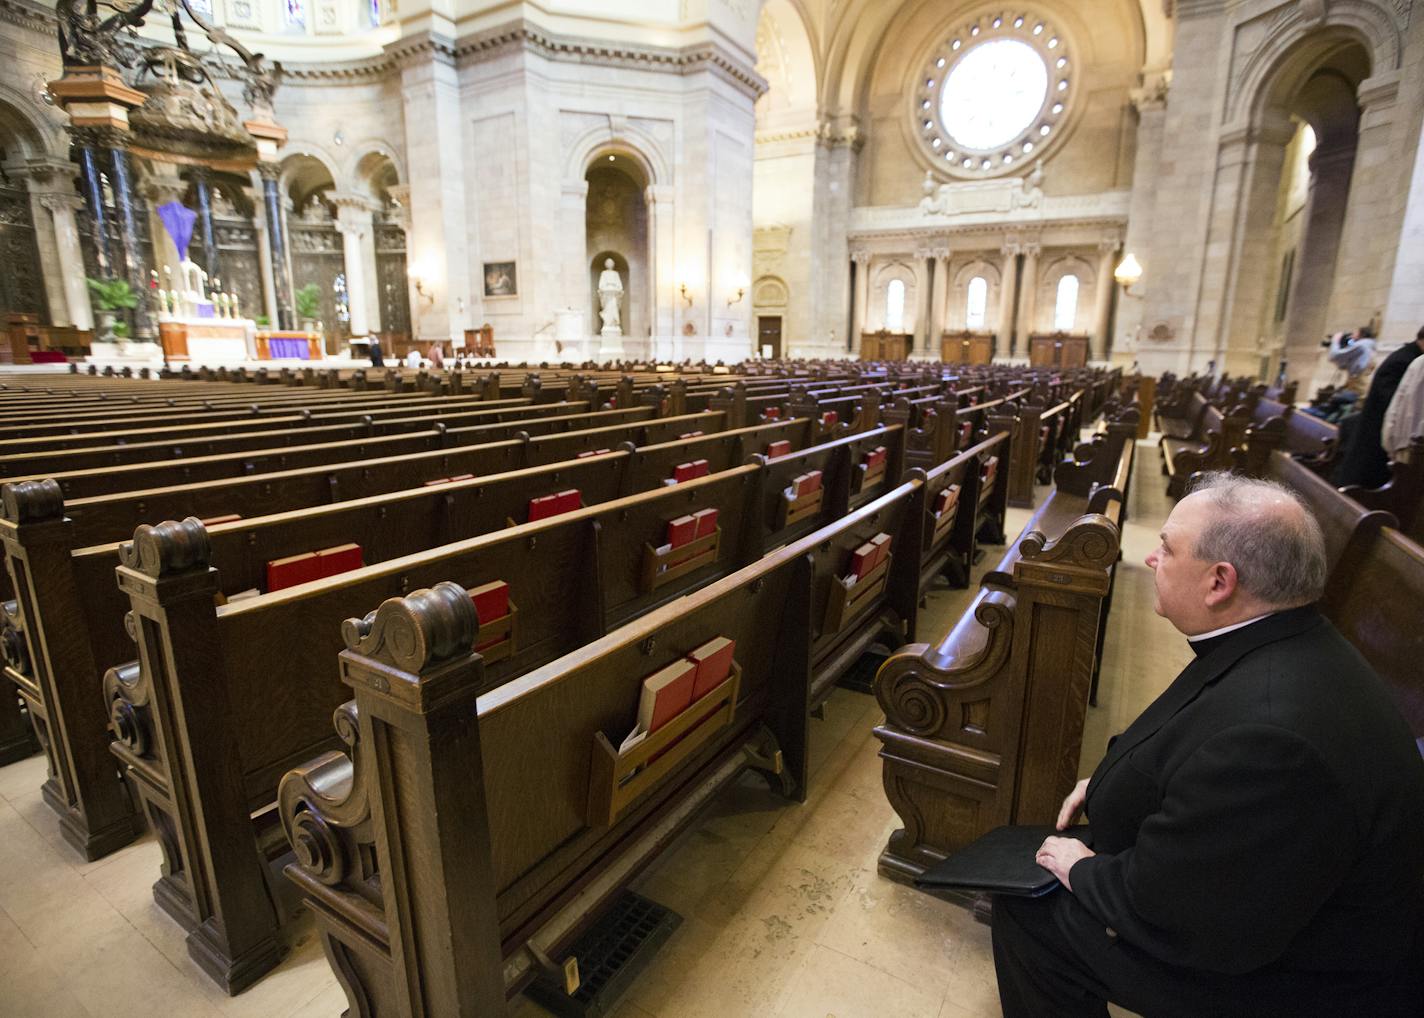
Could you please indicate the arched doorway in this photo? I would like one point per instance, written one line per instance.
(21, 286)
(616, 220)
(1300, 156)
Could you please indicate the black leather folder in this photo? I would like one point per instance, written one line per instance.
(1000, 862)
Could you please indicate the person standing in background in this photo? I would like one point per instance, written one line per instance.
(1364, 461)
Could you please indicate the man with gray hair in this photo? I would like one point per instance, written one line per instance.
(1257, 840)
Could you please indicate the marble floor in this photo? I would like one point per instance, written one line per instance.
(783, 913)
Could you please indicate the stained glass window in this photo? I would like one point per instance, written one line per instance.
(375, 13)
(978, 299)
(895, 306)
(1065, 310)
(296, 13)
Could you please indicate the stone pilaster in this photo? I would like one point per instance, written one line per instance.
(1102, 297)
(1028, 299)
(355, 224)
(1008, 283)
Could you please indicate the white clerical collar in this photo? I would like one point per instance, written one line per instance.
(1227, 629)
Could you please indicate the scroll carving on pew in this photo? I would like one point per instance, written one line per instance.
(985, 728)
(32, 501)
(171, 547)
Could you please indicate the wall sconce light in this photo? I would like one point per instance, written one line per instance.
(419, 285)
(682, 290)
(741, 292)
(1128, 272)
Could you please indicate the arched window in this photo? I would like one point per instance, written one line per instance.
(1065, 310)
(978, 299)
(895, 306)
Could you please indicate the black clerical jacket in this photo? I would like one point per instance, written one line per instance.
(1267, 810)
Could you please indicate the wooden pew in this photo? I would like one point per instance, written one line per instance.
(73, 614)
(197, 731)
(985, 728)
(401, 813)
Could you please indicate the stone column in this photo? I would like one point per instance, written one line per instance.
(1102, 296)
(44, 177)
(71, 259)
(662, 259)
(1151, 105)
(1028, 299)
(1365, 262)
(1316, 258)
(938, 301)
(922, 301)
(264, 257)
(163, 186)
(861, 259)
(90, 164)
(399, 215)
(277, 247)
(353, 221)
(1404, 311)
(1008, 283)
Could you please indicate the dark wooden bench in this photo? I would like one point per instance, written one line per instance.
(200, 735)
(531, 851)
(985, 727)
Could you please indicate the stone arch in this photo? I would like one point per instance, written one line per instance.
(1069, 263)
(957, 313)
(787, 59)
(307, 169)
(884, 273)
(618, 138)
(1294, 45)
(770, 292)
(22, 119)
(371, 162)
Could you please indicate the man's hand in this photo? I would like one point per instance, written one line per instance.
(1073, 805)
(1057, 856)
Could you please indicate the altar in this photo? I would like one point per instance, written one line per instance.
(208, 340)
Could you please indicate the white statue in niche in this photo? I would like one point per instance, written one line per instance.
(610, 296)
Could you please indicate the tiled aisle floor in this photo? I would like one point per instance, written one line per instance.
(783, 912)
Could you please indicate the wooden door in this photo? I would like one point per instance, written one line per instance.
(769, 335)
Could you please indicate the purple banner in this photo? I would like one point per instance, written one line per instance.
(282, 349)
(178, 220)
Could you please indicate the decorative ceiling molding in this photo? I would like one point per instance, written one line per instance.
(31, 16)
(525, 35)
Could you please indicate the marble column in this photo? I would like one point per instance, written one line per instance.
(277, 246)
(1028, 299)
(398, 213)
(662, 255)
(1151, 105)
(62, 207)
(1102, 297)
(938, 301)
(91, 165)
(922, 302)
(1008, 283)
(861, 260)
(136, 265)
(354, 223)
(205, 222)
(44, 177)
(264, 258)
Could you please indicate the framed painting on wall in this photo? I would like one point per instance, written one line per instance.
(501, 279)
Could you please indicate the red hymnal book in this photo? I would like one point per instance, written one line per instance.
(989, 470)
(706, 522)
(773, 413)
(691, 434)
(875, 457)
(805, 484)
(590, 452)
(713, 660)
(215, 520)
(881, 542)
(569, 500)
(681, 530)
(340, 559)
(946, 499)
(543, 507)
(463, 477)
(491, 601)
(292, 570)
(830, 417)
(862, 560)
(966, 432)
(666, 694)
(688, 471)
(438, 480)
(781, 448)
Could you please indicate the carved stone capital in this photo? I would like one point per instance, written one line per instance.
(56, 202)
(411, 633)
(32, 501)
(167, 548)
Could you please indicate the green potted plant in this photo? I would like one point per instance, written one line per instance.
(308, 300)
(111, 296)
